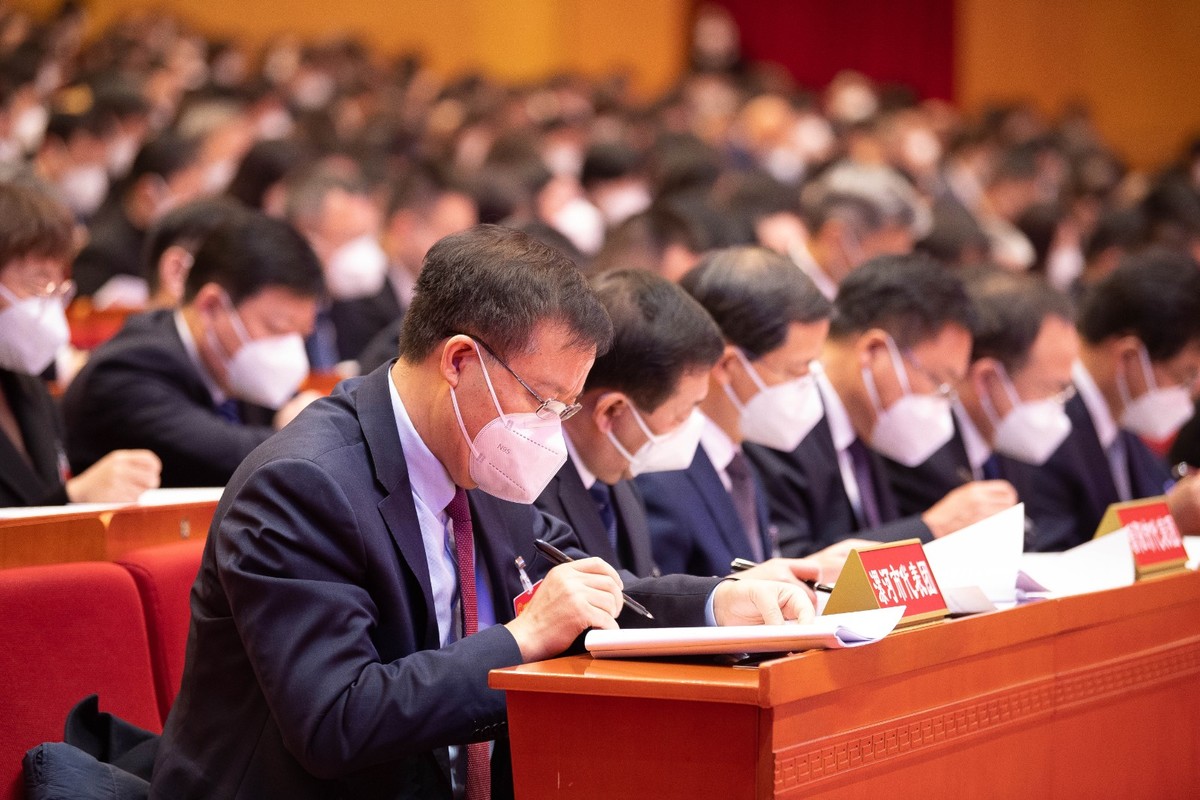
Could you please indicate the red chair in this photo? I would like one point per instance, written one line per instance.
(67, 631)
(164, 577)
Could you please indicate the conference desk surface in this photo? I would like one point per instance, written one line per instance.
(1088, 696)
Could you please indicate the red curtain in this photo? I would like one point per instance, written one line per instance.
(909, 42)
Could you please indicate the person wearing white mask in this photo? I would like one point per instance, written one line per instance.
(760, 391)
(1138, 367)
(900, 338)
(359, 581)
(203, 384)
(36, 241)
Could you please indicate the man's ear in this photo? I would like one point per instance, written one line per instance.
(720, 370)
(609, 406)
(456, 353)
(868, 345)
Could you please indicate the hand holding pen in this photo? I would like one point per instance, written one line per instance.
(744, 565)
(557, 557)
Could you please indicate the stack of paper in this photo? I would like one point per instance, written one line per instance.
(976, 567)
(832, 632)
(1104, 563)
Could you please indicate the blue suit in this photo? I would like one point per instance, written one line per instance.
(694, 526)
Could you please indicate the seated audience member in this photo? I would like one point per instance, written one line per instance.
(1010, 406)
(773, 321)
(899, 338)
(359, 580)
(172, 243)
(200, 385)
(1139, 359)
(35, 246)
(165, 174)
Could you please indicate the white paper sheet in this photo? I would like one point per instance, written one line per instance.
(832, 632)
(976, 567)
(153, 497)
(1192, 545)
(1096, 565)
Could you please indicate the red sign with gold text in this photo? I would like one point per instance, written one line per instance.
(900, 576)
(1153, 535)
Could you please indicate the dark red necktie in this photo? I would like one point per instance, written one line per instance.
(479, 768)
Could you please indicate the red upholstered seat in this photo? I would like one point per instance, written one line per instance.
(67, 631)
(164, 577)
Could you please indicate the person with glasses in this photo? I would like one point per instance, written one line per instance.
(899, 341)
(1135, 380)
(36, 242)
(1009, 409)
(361, 570)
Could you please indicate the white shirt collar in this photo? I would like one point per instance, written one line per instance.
(840, 427)
(1097, 406)
(978, 450)
(585, 474)
(189, 345)
(717, 444)
(430, 481)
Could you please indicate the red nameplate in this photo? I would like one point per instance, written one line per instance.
(895, 574)
(1153, 536)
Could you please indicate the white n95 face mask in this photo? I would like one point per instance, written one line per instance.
(778, 416)
(914, 427)
(1159, 412)
(356, 269)
(267, 371)
(514, 456)
(1032, 431)
(32, 331)
(665, 452)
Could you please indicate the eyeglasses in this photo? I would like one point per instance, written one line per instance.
(943, 390)
(62, 291)
(549, 407)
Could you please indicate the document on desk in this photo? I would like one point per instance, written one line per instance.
(149, 498)
(1096, 565)
(833, 632)
(976, 567)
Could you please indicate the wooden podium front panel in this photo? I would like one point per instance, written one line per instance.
(1080, 697)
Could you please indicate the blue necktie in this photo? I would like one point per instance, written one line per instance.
(991, 468)
(230, 411)
(601, 493)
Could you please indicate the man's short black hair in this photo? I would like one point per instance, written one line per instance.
(754, 294)
(659, 333)
(912, 297)
(498, 284)
(186, 226)
(1153, 295)
(1010, 309)
(163, 156)
(253, 252)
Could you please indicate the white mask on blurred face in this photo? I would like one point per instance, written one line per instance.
(582, 223)
(266, 371)
(84, 188)
(32, 331)
(778, 416)
(1032, 430)
(621, 203)
(356, 269)
(914, 427)
(665, 452)
(1157, 413)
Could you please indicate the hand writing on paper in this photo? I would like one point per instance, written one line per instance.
(756, 602)
(572, 598)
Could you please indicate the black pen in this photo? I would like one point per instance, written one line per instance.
(743, 564)
(559, 557)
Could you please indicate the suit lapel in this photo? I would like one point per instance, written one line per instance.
(704, 477)
(582, 514)
(29, 478)
(631, 522)
(1098, 483)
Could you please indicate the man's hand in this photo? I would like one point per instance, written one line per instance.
(293, 407)
(786, 570)
(751, 602)
(119, 477)
(572, 598)
(1184, 502)
(968, 504)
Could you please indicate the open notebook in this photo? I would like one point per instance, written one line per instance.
(831, 632)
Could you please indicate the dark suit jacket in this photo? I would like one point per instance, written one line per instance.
(1067, 496)
(38, 479)
(140, 389)
(808, 500)
(357, 322)
(114, 248)
(566, 499)
(694, 526)
(313, 667)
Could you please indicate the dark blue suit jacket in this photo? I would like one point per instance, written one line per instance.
(694, 525)
(808, 500)
(566, 499)
(1068, 495)
(313, 667)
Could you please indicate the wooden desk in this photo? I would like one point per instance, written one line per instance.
(1090, 696)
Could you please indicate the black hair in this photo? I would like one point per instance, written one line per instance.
(912, 297)
(252, 252)
(606, 161)
(860, 214)
(264, 165)
(754, 294)
(186, 226)
(163, 156)
(1153, 295)
(1010, 309)
(498, 284)
(659, 333)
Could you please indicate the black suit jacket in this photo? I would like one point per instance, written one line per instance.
(566, 498)
(808, 500)
(140, 390)
(313, 666)
(114, 248)
(38, 479)
(694, 526)
(1067, 496)
(357, 322)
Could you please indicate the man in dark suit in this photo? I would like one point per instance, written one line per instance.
(204, 385)
(638, 406)
(1010, 406)
(773, 320)
(900, 336)
(35, 244)
(1139, 358)
(357, 587)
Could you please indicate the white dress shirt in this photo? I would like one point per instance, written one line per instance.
(843, 434)
(1106, 429)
